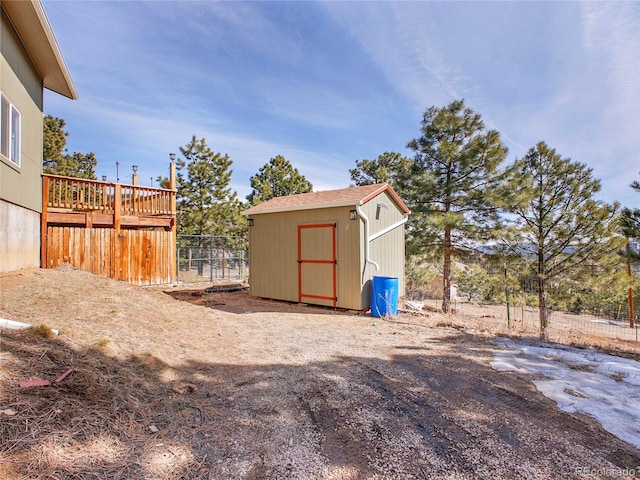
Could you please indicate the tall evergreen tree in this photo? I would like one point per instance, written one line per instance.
(449, 187)
(57, 160)
(277, 179)
(556, 224)
(630, 221)
(206, 205)
(387, 168)
(54, 139)
(630, 227)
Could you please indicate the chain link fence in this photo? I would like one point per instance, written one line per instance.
(209, 258)
(588, 309)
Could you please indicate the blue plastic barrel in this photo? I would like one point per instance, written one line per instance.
(384, 296)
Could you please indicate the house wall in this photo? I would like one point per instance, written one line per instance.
(273, 250)
(20, 244)
(20, 186)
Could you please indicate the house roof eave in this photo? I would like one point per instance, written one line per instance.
(32, 26)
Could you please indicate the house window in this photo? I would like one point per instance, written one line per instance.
(9, 130)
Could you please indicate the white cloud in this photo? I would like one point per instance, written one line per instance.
(397, 37)
(326, 84)
(149, 134)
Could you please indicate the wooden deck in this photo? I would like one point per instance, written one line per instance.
(126, 232)
(76, 201)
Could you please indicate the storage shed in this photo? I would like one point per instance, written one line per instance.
(325, 247)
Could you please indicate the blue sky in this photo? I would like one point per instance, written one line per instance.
(326, 84)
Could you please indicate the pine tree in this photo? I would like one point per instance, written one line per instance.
(387, 168)
(556, 224)
(206, 205)
(54, 140)
(449, 187)
(630, 222)
(56, 160)
(277, 179)
(630, 227)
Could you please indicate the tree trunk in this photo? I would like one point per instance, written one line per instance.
(446, 272)
(542, 307)
(630, 289)
(200, 249)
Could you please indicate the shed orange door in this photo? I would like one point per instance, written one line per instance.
(317, 264)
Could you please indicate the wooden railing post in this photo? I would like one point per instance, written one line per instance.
(105, 198)
(117, 206)
(174, 229)
(172, 186)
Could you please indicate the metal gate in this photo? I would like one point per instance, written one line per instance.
(317, 263)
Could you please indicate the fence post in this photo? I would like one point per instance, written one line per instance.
(210, 261)
(241, 269)
(506, 292)
(178, 265)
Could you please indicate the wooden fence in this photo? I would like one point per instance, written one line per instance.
(140, 257)
(125, 232)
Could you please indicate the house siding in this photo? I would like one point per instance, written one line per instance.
(14, 53)
(30, 61)
(21, 185)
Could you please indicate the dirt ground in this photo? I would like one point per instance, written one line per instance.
(191, 385)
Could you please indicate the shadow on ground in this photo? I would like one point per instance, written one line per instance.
(241, 303)
(412, 416)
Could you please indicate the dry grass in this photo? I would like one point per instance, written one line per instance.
(564, 328)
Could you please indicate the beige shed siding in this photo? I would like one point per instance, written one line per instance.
(273, 252)
(387, 250)
(273, 255)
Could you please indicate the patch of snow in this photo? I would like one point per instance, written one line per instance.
(603, 386)
(608, 322)
(414, 305)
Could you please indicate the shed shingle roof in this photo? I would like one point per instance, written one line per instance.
(343, 197)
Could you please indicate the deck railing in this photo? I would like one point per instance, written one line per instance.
(125, 232)
(68, 194)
